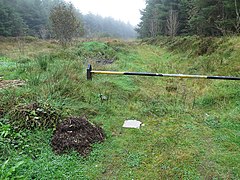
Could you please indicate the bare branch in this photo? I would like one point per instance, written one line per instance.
(172, 23)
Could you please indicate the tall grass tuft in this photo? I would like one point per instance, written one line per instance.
(43, 62)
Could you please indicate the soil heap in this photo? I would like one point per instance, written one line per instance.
(76, 133)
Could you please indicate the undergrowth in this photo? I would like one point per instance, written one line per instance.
(191, 126)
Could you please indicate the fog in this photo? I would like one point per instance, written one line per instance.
(96, 18)
(124, 10)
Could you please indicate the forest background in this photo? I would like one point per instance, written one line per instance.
(160, 17)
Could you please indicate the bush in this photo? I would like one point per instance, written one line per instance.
(35, 115)
(96, 50)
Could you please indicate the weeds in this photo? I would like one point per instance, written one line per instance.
(9, 139)
(43, 63)
(100, 52)
(8, 172)
(35, 115)
(191, 126)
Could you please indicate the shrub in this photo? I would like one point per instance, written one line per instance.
(35, 115)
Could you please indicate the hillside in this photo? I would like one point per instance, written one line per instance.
(191, 127)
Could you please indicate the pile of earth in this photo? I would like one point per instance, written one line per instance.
(76, 133)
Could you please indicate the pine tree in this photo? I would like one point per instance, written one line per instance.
(11, 24)
(192, 17)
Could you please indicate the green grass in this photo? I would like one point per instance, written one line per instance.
(191, 126)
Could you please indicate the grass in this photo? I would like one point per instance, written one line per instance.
(191, 126)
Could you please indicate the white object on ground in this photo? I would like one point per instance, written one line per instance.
(132, 124)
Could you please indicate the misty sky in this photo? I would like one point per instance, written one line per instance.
(124, 10)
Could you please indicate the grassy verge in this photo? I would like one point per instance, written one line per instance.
(191, 126)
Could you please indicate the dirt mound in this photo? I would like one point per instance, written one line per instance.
(78, 134)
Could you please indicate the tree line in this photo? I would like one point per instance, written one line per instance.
(32, 17)
(190, 17)
(96, 25)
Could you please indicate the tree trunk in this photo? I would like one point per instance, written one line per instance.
(237, 25)
(172, 23)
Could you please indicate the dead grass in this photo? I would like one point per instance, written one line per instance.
(11, 83)
(16, 48)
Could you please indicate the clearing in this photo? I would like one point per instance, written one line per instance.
(191, 126)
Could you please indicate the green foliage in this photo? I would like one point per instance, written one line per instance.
(212, 121)
(191, 127)
(35, 115)
(11, 23)
(10, 139)
(201, 17)
(5, 130)
(43, 62)
(133, 160)
(65, 23)
(8, 172)
(31, 18)
(97, 50)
